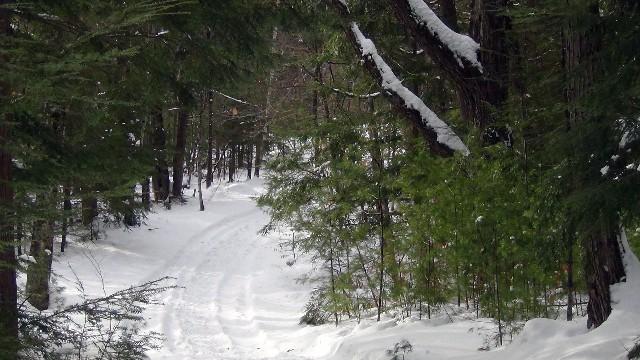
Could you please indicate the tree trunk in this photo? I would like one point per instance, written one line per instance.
(259, 146)
(603, 268)
(219, 160)
(146, 193)
(8, 288)
(89, 213)
(232, 162)
(199, 159)
(66, 208)
(480, 92)
(249, 154)
(602, 259)
(333, 284)
(382, 246)
(178, 156)
(449, 14)
(570, 234)
(262, 119)
(240, 157)
(38, 273)
(161, 173)
(130, 218)
(209, 178)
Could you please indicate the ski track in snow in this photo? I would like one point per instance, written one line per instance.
(228, 303)
(238, 300)
(213, 314)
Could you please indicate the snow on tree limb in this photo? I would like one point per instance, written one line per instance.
(433, 128)
(456, 54)
(440, 137)
(462, 46)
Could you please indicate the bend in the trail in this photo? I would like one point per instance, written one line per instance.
(236, 296)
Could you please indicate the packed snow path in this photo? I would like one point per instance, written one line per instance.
(228, 304)
(228, 300)
(238, 299)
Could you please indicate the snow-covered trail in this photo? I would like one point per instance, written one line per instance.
(236, 297)
(229, 305)
(238, 300)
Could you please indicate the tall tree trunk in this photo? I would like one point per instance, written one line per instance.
(38, 273)
(240, 157)
(161, 174)
(603, 268)
(178, 155)
(602, 257)
(249, 152)
(259, 147)
(146, 193)
(199, 162)
(333, 284)
(89, 213)
(232, 162)
(218, 160)
(382, 256)
(130, 218)
(261, 123)
(483, 97)
(569, 237)
(66, 208)
(8, 288)
(209, 178)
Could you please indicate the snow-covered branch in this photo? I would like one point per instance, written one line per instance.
(461, 46)
(434, 129)
(441, 138)
(360, 96)
(455, 53)
(232, 98)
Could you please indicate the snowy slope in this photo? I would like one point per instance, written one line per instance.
(237, 298)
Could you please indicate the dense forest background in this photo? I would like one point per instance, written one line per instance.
(483, 152)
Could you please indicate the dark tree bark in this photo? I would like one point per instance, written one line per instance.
(603, 268)
(261, 121)
(410, 113)
(198, 160)
(218, 159)
(38, 273)
(249, 157)
(449, 14)
(66, 208)
(481, 92)
(89, 213)
(259, 147)
(209, 178)
(602, 256)
(240, 157)
(178, 156)
(130, 218)
(481, 89)
(8, 288)
(232, 162)
(146, 194)
(161, 174)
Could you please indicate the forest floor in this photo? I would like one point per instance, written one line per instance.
(238, 299)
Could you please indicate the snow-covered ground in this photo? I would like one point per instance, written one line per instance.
(238, 299)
